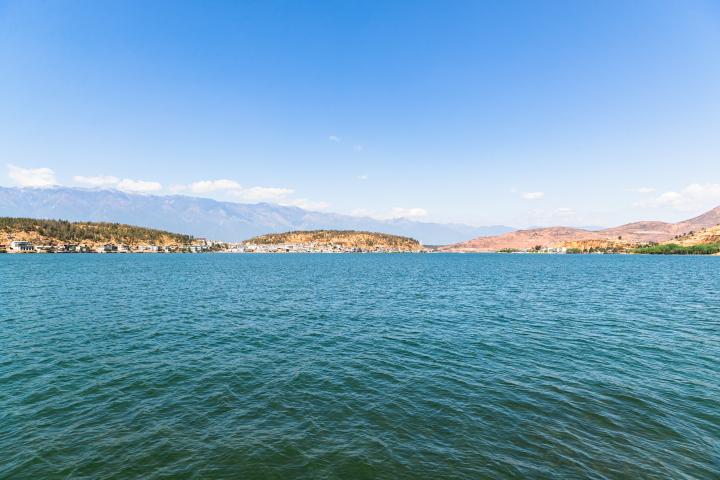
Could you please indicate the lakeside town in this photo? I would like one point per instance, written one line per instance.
(202, 246)
(26, 235)
(209, 246)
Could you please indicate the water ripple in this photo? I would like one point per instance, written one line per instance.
(359, 366)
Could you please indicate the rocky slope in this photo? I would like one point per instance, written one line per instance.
(597, 245)
(702, 237)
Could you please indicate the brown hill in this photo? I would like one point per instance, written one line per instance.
(348, 238)
(657, 232)
(707, 219)
(522, 239)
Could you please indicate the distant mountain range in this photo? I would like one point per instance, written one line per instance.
(203, 217)
(637, 231)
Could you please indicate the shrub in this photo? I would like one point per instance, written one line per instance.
(674, 249)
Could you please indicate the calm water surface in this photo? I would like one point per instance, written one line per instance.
(359, 366)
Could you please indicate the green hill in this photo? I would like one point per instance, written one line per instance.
(91, 233)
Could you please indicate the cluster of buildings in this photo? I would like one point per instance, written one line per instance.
(202, 246)
(312, 247)
(543, 250)
(19, 246)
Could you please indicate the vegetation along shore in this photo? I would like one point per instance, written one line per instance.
(28, 235)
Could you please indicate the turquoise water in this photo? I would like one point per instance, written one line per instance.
(359, 366)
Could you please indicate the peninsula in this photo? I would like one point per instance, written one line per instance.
(346, 238)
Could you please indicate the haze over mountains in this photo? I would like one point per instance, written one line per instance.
(208, 218)
(228, 221)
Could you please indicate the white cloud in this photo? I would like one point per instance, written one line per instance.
(527, 195)
(257, 193)
(666, 199)
(709, 192)
(357, 148)
(208, 186)
(306, 204)
(34, 177)
(407, 212)
(396, 212)
(99, 180)
(563, 212)
(139, 186)
(334, 138)
(692, 197)
(363, 177)
(234, 188)
(531, 195)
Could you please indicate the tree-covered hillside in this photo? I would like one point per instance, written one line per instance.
(88, 232)
(348, 238)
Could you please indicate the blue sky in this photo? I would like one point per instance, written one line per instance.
(515, 113)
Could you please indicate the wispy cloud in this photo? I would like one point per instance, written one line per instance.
(33, 177)
(139, 186)
(531, 195)
(334, 138)
(99, 180)
(306, 204)
(396, 212)
(363, 177)
(668, 199)
(357, 148)
(259, 193)
(209, 186)
(692, 197)
(527, 195)
(232, 187)
(563, 212)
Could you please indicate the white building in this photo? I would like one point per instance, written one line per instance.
(107, 248)
(19, 246)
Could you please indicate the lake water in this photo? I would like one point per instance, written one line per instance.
(359, 366)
